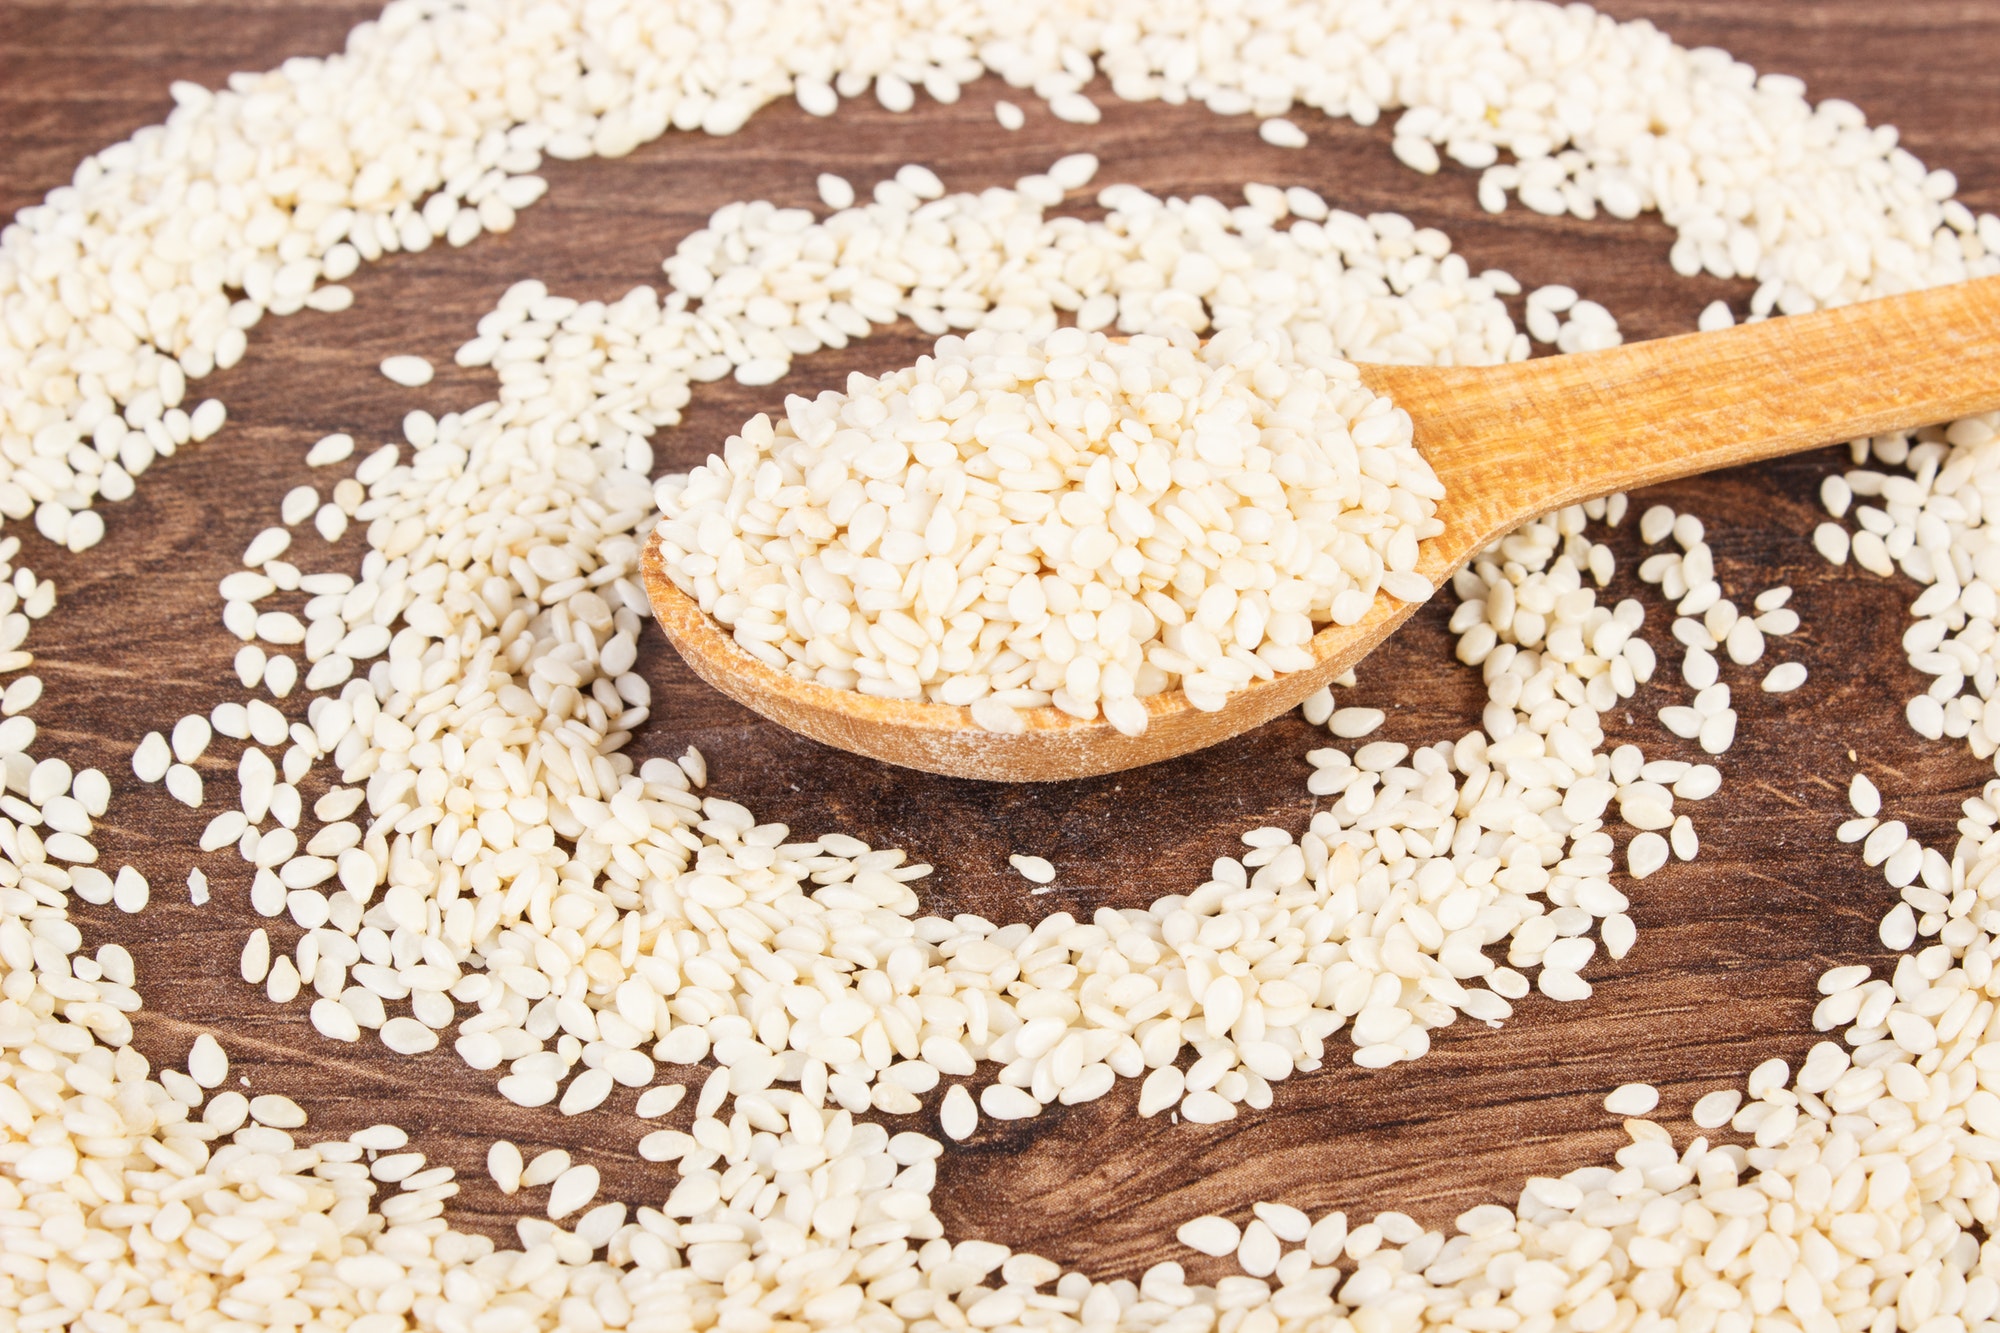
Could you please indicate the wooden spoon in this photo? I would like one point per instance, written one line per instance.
(1509, 443)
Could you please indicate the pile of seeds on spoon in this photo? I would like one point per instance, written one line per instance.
(493, 622)
(1064, 520)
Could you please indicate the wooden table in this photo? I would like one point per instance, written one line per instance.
(1729, 945)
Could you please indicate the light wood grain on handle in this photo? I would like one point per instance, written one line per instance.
(1510, 443)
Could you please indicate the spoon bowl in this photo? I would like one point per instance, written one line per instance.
(1509, 443)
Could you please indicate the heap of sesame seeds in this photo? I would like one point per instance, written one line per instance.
(1014, 522)
(1869, 1168)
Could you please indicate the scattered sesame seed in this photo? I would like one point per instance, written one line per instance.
(835, 192)
(1632, 1099)
(1281, 133)
(412, 372)
(1033, 868)
(1784, 678)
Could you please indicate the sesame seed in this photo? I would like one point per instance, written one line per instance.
(1632, 1099)
(1281, 133)
(1714, 1110)
(412, 372)
(656, 1102)
(1353, 723)
(1784, 678)
(957, 1115)
(1216, 1236)
(572, 1190)
(1033, 868)
(1646, 853)
(503, 1164)
(834, 191)
(207, 1064)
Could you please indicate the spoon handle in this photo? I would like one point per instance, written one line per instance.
(1515, 441)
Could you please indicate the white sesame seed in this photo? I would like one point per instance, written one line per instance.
(21, 695)
(659, 1101)
(190, 738)
(1715, 1109)
(1899, 928)
(1353, 723)
(206, 419)
(1033, 868)
(1619, 934)
(957, 1115)
(256, 957)
(572, 1190)
(130, 891)
(330, 449)
(207, 1064)
(1632, 1099)
(412, 372)
(1745, 643)
(281, 675)
(1784, 678)
(1074, 109)
(834, 191)
(1286, 1222)
(1682, 721)
(331, 1019)
(1071, 172)
(1863, 796)
(545, 1167)
(151, 759)
(1281, 133)
(503, 1164)
(586, 1092)
(266, 546)
(1001, 1102)
(406, 1036)
(920, 181)
(298, 504)
(1318, 706)
(276, 1111)
(894, 93)
(1646, 853)
(379, 1138)
(1211, 1235)
(527, 1089)
(1257, 1252)
(1778, 623)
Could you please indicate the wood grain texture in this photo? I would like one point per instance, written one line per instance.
(1729, 945)
(1514, 441)
(1509, 442)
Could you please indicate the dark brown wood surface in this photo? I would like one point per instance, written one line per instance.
(1729, 946)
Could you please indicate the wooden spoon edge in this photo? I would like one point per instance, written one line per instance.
(937, 738)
